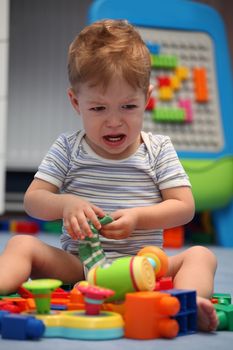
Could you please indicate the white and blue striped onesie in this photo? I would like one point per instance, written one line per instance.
(75, 168)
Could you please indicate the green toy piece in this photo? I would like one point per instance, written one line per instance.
(225, 317)
(42, 289)
(90, 249)
(223, 298)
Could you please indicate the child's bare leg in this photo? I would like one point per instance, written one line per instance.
(195, 269)
(26, 256)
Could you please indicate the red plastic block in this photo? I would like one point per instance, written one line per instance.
(27, 227)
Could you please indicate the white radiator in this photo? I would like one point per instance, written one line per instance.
(39, 110)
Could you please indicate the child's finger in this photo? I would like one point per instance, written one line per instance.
(76, 232)
(98, 211)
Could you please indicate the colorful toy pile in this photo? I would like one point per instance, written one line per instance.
(117, 300)
(130, 298)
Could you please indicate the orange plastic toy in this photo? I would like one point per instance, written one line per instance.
(147, 315)
(158, 256)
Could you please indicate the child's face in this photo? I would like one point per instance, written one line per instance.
(112, 119)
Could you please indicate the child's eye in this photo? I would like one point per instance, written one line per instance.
(97, 109)
(129, 106)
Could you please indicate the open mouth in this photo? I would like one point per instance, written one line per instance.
(114, 138)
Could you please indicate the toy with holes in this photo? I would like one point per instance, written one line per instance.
(148, 315)
(224, 310)
(89, 323)
(192, 98)
(130, 274)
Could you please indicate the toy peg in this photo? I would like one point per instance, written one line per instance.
(94, 297)
(42, 289)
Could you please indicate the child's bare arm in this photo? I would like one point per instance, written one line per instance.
(177, 208)
(43, 200)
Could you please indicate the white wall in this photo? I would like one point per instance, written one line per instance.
(4, 44)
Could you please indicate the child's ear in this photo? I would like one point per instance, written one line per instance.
(150, 89)
(73, 99)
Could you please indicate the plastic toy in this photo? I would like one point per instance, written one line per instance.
(42, 290)
(183, 36)
(77, 325)
(224, 310)
(159, 258)
(147, 315)
(94, 297)
(20, 327)
(173, 237)
(225, 316)
(24, 226)
(221, 298)
(187, 316)
(90, 323)
(124, 275)
(129, 274)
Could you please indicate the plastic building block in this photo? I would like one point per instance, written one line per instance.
(60, 293)
(76, 300)
(225, 316)
(200, 84)
(153, 47)
(20, 327)
(42, 289)
(163, 81)
(9, 306)
(187, 316)
(165, 93)
(168, 114)
(52, 226)
(151, 104)
(173, 237)
(147, 315)
(187, 106)
(222, 298)
(164, 283)
(4, 225)
(164, 61)
(182, 72)
(16, 304)
(24, 226)
(175, 82)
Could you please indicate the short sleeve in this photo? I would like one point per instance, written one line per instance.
(55, 164)
(169, 170)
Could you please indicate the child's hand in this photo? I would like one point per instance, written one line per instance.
(125, 222)
(77, 212)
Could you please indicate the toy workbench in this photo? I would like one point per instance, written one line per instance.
(192, 98)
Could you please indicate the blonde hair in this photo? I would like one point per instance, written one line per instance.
(107, 48)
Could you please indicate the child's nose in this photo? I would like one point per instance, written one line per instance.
(114, 120)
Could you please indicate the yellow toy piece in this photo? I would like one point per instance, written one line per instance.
(143, 274)
(175, 82)
(182, 72)
(79, 319)
(165, 93)
(78, 325)
(159, 257)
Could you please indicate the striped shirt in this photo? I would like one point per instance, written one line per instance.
(136, 181)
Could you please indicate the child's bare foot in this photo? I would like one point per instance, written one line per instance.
(207, 320)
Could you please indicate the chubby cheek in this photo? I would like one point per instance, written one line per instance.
(92, 128)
